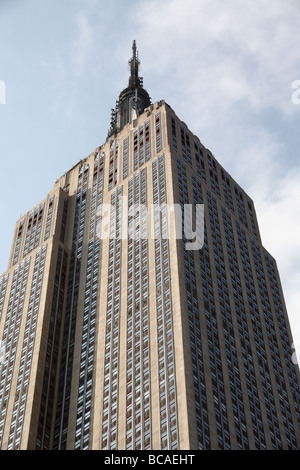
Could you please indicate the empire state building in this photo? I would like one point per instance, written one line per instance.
(139, 309)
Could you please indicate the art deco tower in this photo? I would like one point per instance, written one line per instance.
(117, 333)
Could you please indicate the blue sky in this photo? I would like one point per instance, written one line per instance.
(227, 67)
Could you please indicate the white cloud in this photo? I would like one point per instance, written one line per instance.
(251, 44)
(82, 45)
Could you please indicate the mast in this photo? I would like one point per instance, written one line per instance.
(132, 100)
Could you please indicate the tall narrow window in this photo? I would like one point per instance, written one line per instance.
(113, 164)
(112, 336)
(18, 242)
(86, 370)
(141, 145)
(165, 332)
(158, 139)
(10, 336)
(49, 218)
(138, 421)
(125, 157)
(22, 384)
(66, 370)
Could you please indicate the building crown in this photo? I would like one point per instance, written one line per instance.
(132, 100)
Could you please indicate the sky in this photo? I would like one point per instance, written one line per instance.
(230, 69)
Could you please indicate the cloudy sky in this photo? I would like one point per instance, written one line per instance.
(229, 68)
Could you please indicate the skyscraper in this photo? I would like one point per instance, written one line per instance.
(130, 321)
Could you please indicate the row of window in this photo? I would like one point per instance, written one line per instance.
(113, 164)
(209, 170)
(274, 340)
(260, 341)
(34, 227)
(65, 378)
(228, 319)
(217, 379)
(109, 438)
(138, 419)
(232, 333)
(3, 286)
(165, 331)
(283, 333)
(141, 145)
(33, 230)
(84, 400)
(49, 218)
(43, 440)
(141, 150)
(22, 384)
(244, 331)
(10, 335)
(199, 380)
(138, 390)
(264, 329)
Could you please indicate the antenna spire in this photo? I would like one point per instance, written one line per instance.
(134, 63)
(132, 101)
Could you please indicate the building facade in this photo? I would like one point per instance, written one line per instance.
(129, 321)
